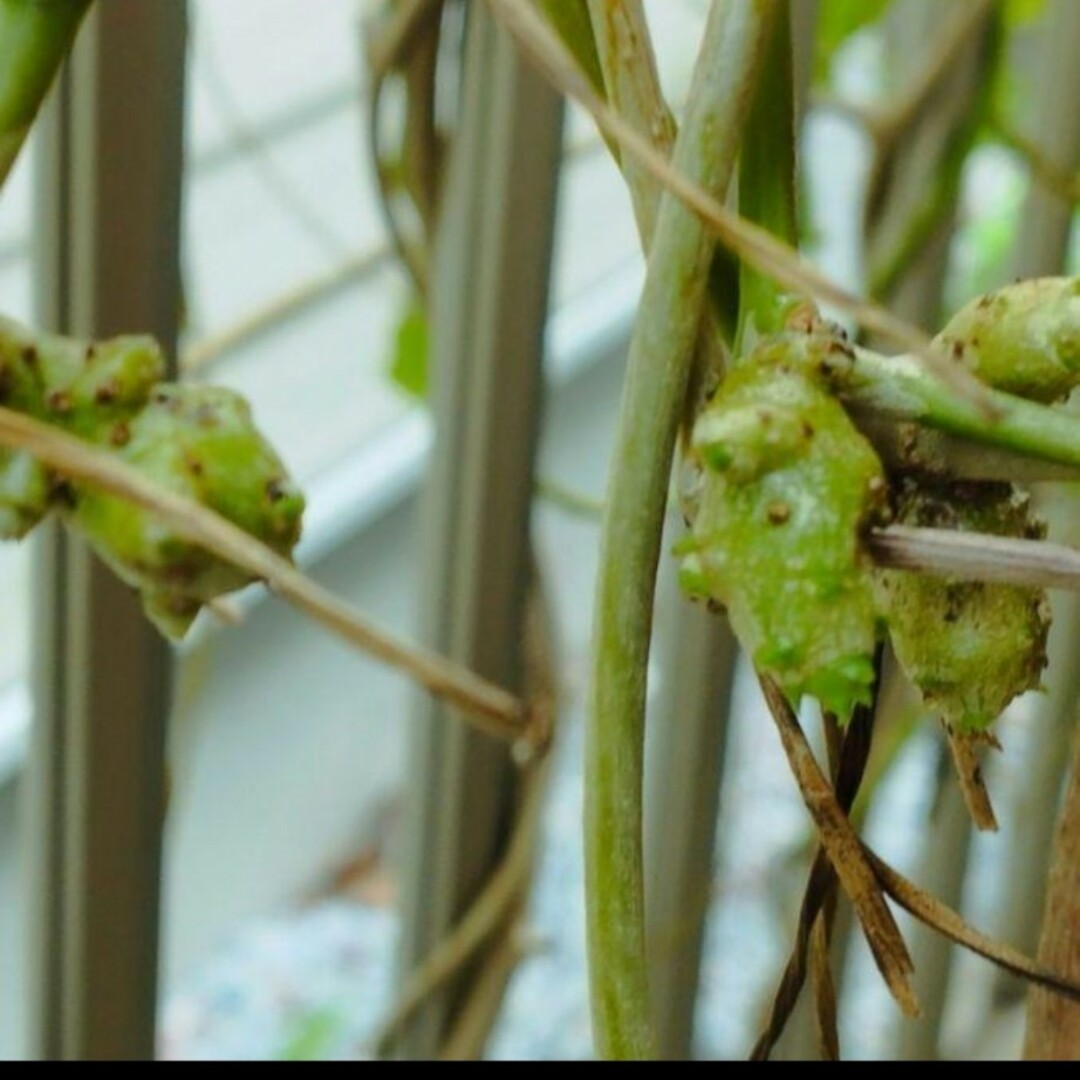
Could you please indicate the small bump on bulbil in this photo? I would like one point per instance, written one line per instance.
(107, 393)
(779, 513)
(59, 401)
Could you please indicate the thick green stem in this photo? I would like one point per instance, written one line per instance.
(35, 36)
(767, 191)
(633, 89)
(632, 81)
(661, 352)
(900, 388)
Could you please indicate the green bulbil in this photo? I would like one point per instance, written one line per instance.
(85, 389)
(199, 442)
(969, 647)
(21, 381)
(91, 389)
(1024, 340)
(25, 494)
(787, 488)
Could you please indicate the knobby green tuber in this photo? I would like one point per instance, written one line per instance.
(787, 487)
(193, 440)
(968, 647)
(1024, 340)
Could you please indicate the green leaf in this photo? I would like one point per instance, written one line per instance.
(409, 363)
(312, 1037)
(840, 20)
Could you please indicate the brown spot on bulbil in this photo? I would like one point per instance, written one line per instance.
(909, 441)
(91, 353)
(120, 434)
(828, 368)
(954, 604)
(779, 513)
(59, 401)
(803, 319)
(107, 393)
(61, 492)
(808, 430)
(275, 490)
(182, 572)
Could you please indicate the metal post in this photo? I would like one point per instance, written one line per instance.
(490, 307)
(1042, 249)
(688, 728)
(109, 258)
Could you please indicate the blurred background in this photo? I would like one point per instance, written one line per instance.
(291, 762)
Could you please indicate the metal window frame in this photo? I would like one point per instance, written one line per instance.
(490, 306)
(108, 261)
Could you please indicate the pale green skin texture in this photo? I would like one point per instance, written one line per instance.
(969, 648)
(788, 487)
(199, 442)
(82, 389)
(1024, 339)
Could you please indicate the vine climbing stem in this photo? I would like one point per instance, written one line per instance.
(661, 353)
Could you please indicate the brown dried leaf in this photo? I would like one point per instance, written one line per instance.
(845, 852)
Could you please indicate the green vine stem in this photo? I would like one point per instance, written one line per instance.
(900, 388)
(661, 353)
(633, 89)
(35, 36)
(632, 84)
(767, 190)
